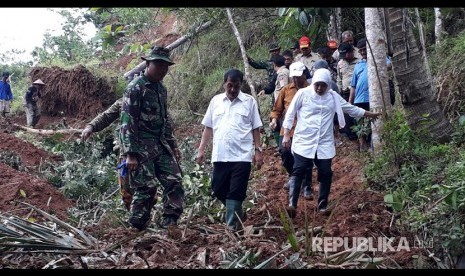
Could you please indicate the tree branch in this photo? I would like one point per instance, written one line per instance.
(129, 75)
(243, 52)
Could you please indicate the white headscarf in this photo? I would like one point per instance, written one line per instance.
(323, 75)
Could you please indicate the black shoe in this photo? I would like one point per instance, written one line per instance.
(308, 194)
(136, 223)
(323, 211)
(169, 221)
(291, 211)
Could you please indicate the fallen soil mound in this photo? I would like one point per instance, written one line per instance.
(19, 162)
(75, 93)
(30, 155)
(19, 186)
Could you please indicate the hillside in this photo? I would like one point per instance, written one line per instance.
(200, 243)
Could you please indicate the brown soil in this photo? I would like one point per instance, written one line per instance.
(61, 95)
(356, 212)
(25, 184)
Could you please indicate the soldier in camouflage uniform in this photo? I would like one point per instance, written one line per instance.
(101, 122)
(148, 142)
(274, 50)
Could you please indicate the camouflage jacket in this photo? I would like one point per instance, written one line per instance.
(267, 65)
(105, 119)
(145, 124)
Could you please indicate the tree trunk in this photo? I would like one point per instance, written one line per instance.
(438, 26)
(422, 41)
(415, 86)
(141, 66)
(378, 79)
(338, 24)
(332, 27)
(243, 52)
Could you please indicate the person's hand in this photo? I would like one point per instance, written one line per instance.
(286, 141)
(261, 93)
(273, 124)
(86, 133)
(258, 160)
(132, 162)
(177, 154)
(200, 157)
(373, 115)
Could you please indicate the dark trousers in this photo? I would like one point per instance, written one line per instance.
(362, 120)
(325, 176)
(288, 162)
(230, 180)
(347, 129)
(286, 156)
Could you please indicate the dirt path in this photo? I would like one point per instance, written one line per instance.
(200, 243)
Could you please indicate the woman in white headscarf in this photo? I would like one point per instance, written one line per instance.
(313, 140)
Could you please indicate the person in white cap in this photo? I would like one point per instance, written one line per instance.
(30, 103)
(299, 80)
(313, 142)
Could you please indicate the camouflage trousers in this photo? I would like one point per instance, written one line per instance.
(143, 183)
(125, 189)
(32, 114)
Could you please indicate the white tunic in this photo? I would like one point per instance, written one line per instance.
(314, 130)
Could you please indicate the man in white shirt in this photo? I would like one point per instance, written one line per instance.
(232, 119)
(313, 140)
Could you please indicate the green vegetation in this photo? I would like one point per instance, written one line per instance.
(424, 183)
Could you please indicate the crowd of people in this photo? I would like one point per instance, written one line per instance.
(312, 96)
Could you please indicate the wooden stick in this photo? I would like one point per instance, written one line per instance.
(49, 131)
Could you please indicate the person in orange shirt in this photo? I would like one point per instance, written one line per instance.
(277, 114)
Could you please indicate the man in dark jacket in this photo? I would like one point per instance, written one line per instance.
(30, 103)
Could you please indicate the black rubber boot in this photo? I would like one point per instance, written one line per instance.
(233, 207)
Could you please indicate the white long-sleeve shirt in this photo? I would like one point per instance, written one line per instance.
(232, 123)
(314, 130)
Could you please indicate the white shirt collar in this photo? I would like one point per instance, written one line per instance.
(241, 96)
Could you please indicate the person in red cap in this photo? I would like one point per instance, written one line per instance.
(332, 44)
(307, 57)
(30, 103)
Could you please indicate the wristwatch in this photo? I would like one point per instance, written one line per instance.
(259, 149)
